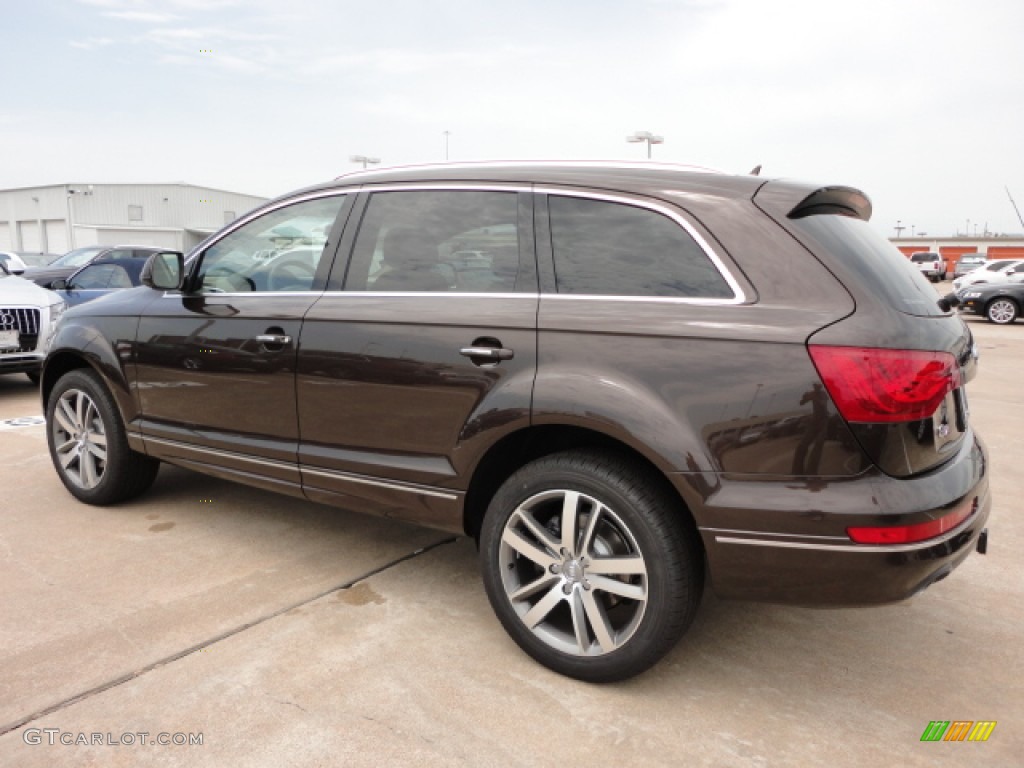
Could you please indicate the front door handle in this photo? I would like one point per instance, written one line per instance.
(493, 354)
(274, 339)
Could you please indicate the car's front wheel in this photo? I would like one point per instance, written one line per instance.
(88, 444)
(1001, 311)
(590, 564)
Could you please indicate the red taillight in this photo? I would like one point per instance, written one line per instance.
(906, 534)
(885, 385)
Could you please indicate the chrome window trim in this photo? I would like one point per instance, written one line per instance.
(433, 294)
(296, 466)
(263, 210)
(860, 548)
(739, 296)
(378, 294)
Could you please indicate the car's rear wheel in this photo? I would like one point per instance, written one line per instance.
(88, 444)
(1001, 311)
(590, 564)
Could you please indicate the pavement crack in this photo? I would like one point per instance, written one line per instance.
(121, 680)
(289, 703)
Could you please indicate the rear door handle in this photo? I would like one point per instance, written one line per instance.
(487, 353)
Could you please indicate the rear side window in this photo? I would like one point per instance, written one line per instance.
(878, 263)
(613, 249)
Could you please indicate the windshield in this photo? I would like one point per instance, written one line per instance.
(78, 257)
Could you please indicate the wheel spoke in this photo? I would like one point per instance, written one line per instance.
(543, 607)
(99, 451)
(68, 421)
(620, 588)
(598, 622)
(66, 457)
(88, 464)
(98, 438)
(618, 566)
(548, 579)
(588, 534)
(570, 510)
(579, 622)
(527, 549)
(63, 421)
(80, 402)
(538, 530)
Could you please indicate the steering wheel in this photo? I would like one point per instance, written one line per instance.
(295, 273)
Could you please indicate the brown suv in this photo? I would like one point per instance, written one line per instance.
(617, 378)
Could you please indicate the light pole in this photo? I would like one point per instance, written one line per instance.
(364, 160)
(446, 135)
(648, 137)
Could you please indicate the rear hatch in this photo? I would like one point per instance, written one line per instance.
(897, 367)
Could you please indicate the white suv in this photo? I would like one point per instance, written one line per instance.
(28, 317)
(931, 265)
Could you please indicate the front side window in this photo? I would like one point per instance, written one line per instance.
(614, 249)
(437, 241)
(102, 276)
(279, 251)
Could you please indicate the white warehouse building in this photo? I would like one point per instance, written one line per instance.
(58, 217)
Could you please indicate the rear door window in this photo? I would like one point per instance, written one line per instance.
(436, 241)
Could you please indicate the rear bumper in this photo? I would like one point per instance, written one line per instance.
(803, 555)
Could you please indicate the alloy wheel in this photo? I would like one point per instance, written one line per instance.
(573, 573)
(80, 439)
(1002, 311)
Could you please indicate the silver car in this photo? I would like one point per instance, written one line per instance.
(28, 317)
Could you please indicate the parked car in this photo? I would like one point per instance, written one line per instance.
(931, 265)
(998, 302)
(664, 373)
(999, 271)
(28, 316)
(37, 258)
(98, 279)
(71, 261)
(967, 263)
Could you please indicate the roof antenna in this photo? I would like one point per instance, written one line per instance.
(756, 171)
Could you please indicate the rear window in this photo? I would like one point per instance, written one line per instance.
(876, 262)
(919, 257)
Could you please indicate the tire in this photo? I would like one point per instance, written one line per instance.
(88, 445)
(33, 377)
(1001, 311)
(559, 596)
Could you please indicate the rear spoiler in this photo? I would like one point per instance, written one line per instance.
(842, 201)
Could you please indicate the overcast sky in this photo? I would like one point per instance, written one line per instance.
(920, 104)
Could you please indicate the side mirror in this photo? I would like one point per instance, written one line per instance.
(164, 271)
(60, 284)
